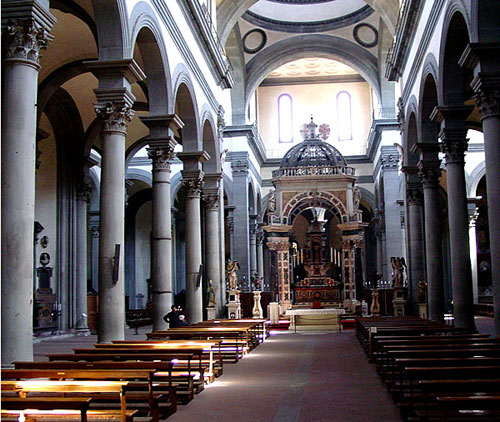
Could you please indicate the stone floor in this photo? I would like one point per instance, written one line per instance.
(302, 377)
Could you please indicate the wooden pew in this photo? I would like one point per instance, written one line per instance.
(183, 382)
(141, 392)
(236, 341)
(80, 404)
(194, 356)
(61, 388)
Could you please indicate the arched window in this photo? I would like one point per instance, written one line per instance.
(285, 118)
(344, 122)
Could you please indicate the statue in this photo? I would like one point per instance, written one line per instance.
(211, 294)
(356, 195)
(231, 276)
(398, 268)
(421, 289)
(271, 202)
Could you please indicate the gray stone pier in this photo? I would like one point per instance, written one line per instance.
(192, 179)
(25, 27)
(212, 247)
(430, 172)
(114, 110)
(488, 99)
(454, 144)
(161, 152)
(414, 198)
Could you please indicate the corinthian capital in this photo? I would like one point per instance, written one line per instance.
(429, 175)
(25, 38)
(488, 102)
(193, 183)
(212, 201)
(115, 117)
(161, 154)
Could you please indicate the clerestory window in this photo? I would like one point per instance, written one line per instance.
(285, 118)
(344, 117)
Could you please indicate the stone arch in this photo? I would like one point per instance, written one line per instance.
(251, 197)
(112, 29)
(306, 200)
(427, 129)
(134, 148)
(454, 38)
(319, 45)
(230, 11)
(57, 78)
(139, 174)
(210, 142)
(175, 186)
(147, 36)
(186, 108)
(474, 179)
(368, 198)
(410, 133)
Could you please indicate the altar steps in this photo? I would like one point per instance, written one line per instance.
(282, 325)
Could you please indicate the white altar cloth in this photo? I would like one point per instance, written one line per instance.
(315, 319)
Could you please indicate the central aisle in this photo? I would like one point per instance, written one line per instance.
(309, 377)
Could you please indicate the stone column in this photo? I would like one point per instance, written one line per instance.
(114, 110)
(161, 153)
(82, 196)
(212, 240)
(454, 144)
(192, 179)
(430, 172)
(260, 254)
(488, 100)
(25, 29)
(253, 246)
(416, 268)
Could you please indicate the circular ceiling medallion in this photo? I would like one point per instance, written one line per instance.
(254, 41)
(365, 35)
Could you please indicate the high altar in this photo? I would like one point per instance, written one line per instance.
(313, 181)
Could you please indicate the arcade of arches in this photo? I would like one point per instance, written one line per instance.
(147, 143)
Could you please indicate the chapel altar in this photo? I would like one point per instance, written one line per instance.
(314, 226)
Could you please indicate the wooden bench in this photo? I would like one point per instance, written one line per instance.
(183, 382)
(61, 388)
(141, 393)
(80, 404)
(136, 318)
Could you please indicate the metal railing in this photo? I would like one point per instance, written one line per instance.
(314, 171)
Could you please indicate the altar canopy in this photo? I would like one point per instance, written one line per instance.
(314, 225)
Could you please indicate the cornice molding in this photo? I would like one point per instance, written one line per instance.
(437, 7)
(409, 15)
(185, 51)
(207, 37)
(253, 137)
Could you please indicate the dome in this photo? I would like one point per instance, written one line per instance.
(313, 151)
